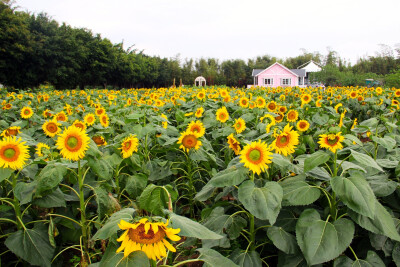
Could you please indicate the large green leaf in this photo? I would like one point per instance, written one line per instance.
(5, 173)
(372, 260)
(135, 184)
(282, 239)
(50, 177)
(355, 193)
(347, 165)
(32, 245)
(111, 226)
(320, 119)
(213, 258)
(291, 260)
(315, 159)
(101, 167)
(265, 202)
(321, 241)
(387, 142)
(231, 176)
(246, 258)
(382, 223)
(155, 198)
(52, 200)
(112, 259)
(381, 185)
(299, 193)
(396, 254)
(191, 228)
(24, 191)
(365, 160)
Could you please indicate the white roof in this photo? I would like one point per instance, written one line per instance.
(311, 66)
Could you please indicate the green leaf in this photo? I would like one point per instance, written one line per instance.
(353, 139)
(299, 193)
(218, 221)
(386, 163)
(387, 142)
(315, 159)
(321, 241)
(382, 223)
(191, 228)
(101, 167)
(396, 254)
(112, 259)
(370, 123)
(212, 258)
(205, 193)
(374, 259)
(343, 261)
(111, 226)
(365, 160)
(154, 198)
(5, 173)
(291, 260)
(134, 116)
(135, 184)
(32, 245)
(355, 193)
(104, 204)
(24, 191)
(320, 119)
(282, 240)
(50, 177)
(265, 202)
(158, 172)
(347, 165)
(233, 175)
(246, 258)
(93, 150)
(381, 185)
(53, 200)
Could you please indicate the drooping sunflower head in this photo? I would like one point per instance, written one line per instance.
(149, 237)
(104, 120)
(199, 112)
(99, 140)
(280, 117)
(73, 143)
(331, 141)
(11, 131)
(89, 119)
(302, 125)
(222, 114)
(129, 145)
(26, 112)
(189, 140)
(286, 141)
(47, 113)
(256, 156)
(234, 144)
(13, 153)
(42, 149)
(51, 128)
(240, 125)
(292, 115)
(197, 128)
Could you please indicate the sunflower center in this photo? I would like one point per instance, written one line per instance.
(11, 132)
(9, 153)
(302, 125)
(189, 141)
(72, 142)
(282, 141)
(26, 112)
(140, 236)
(196, 129)
(332, 141)
(51, 128)
(127, 145)
(255, 155)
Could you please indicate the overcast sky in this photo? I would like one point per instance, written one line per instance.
(234, 29)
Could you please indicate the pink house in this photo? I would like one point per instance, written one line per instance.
(278, 75)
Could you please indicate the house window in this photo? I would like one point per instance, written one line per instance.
(300, 81)
(269, 81)
(286, 81)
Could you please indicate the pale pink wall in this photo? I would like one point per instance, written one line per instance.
(277, 72)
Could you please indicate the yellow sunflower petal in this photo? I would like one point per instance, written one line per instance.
(168, 245)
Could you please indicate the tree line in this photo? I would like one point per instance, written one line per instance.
(35, 49)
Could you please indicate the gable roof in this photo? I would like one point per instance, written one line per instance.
(256, 72)
(299, 72)
(307, 63)
(276, 63)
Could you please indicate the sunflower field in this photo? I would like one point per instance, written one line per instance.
(213, 176)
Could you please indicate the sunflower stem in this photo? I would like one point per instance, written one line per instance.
(17, 207)
(333, 203)
(82, 207)
(252, 233)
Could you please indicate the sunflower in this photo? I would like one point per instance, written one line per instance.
(80, 124)
(234, 144)
(240, 125)
(256, 156)
(149, 237)
(252, 104)
(26, 112)
(397, 93)
(99, 140)
(337, 107)
(271, 106)
(286, 141)
(100, 111)
(271, 122)
(292, 115)
(40, 148)
(354, 124)
(260, 101)
(353, 94)
(318, 103)
(305, 99)
(331, 141)
(341, 119)
(47, 113)
(11, 131)
(302, 125)
(199, 112)
(197, 128)
(189, 140)
(201, 95)
(13, 153)
(73, 143)
(224, 93)
(129, 145)
(104, 120)
(244, 102)
(165, 121)
(61, 116)
(282, 109)
(51, 128)
(222, 114)
(280, 117)
(89, 119)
